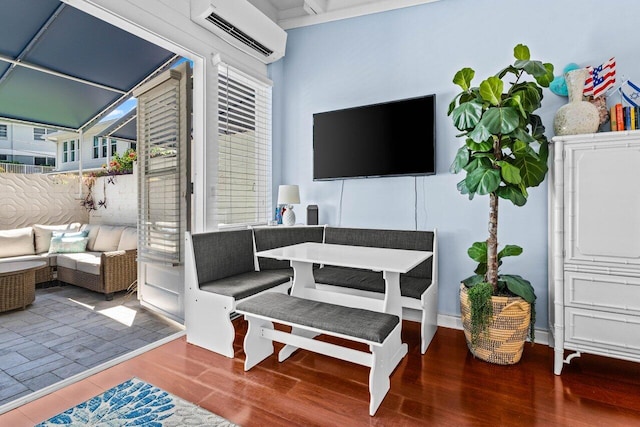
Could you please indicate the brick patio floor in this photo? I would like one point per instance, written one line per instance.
(68, 330)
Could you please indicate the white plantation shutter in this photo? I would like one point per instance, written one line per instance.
(244, 153)
(163, 129)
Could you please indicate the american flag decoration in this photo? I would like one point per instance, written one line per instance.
(600, 78)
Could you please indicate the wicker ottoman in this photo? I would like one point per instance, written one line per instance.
(18, 284)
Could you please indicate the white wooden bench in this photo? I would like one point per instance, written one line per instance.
(309, 319)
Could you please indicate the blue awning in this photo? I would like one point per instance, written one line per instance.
(61, 67)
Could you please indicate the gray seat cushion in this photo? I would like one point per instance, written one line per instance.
(277, 237)
(367, 280)
(246, 284)
(355, 322)
(393, 239)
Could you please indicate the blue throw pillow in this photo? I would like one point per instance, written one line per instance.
(68, 242)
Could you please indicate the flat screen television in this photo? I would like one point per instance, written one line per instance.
(389, 139)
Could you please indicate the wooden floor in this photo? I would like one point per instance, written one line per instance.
(444, 387)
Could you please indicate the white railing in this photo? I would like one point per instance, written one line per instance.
(25, 169)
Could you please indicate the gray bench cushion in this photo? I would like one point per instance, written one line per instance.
(221, 254)
(246, 284)
(355, 322)
(393, 239)
(277, 237)
(367, 280)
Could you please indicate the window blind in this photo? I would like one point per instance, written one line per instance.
(244, 149)
(162, 145)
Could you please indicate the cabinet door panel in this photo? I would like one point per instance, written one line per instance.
(603, 292)
(602, 203)
(602, 329)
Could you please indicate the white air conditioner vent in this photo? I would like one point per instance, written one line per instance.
(243, 26)
(228, 28)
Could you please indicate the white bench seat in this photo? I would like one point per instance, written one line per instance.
(311, 318)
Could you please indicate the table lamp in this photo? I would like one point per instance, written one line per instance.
(288, 195)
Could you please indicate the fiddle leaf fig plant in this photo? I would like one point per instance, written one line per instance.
(504, 153)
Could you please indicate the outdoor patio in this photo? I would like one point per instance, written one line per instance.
(68, 330)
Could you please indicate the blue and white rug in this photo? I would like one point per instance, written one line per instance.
(136, 403)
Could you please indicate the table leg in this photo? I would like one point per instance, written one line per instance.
(302, 278)
(393, 305)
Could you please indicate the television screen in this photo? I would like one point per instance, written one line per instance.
(391, 139)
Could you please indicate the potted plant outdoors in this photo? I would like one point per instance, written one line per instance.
(505, 152)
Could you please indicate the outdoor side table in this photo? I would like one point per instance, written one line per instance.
(18, 284)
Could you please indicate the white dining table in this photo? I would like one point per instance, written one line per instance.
(391, 262)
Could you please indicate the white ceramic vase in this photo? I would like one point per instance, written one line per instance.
(577, 116)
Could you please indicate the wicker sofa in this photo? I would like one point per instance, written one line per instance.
(107, 264)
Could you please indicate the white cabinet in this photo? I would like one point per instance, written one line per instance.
(594, 288)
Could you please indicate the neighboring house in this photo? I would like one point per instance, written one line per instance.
(95, 150)
(26, 144)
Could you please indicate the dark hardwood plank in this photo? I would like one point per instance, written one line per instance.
(444, 387)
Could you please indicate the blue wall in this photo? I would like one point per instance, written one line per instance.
(416, 51)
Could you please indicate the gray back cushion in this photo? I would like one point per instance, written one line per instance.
(277, 237)
(221, 254)
(394, 239)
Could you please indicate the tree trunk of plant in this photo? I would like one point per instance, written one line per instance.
(492, 243)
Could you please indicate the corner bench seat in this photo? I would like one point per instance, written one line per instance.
(243, 285)
(311, 318)
(221, 271)
(371, 281)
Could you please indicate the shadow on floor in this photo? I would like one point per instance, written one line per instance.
(68, 330)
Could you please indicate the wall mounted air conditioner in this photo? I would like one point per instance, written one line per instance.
(242, 25)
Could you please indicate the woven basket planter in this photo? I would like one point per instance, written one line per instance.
(504, 339)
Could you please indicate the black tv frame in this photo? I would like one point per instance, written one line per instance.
(432, 139)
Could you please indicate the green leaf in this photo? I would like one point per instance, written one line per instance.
(478, 251)
(491, 90)
(521, 52)
(515, 103)
(535, 68)
(545, 80)
(461, 160)
(480, 133)
(530, 95)
(543, 152)
(481, 268)
(537, 128)
(483, 180)
(513, 194)
(462, 188)
(467, 115)
(453, 103)
(463, 78)
(510, 173)
(500, 120)
(532, 169)
(471, 281)
(520, 287)
(509, 250)
(480, 146)
(522, 135)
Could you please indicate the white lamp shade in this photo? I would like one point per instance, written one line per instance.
(288, 195)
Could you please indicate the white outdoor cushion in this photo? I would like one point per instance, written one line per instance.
(93, 233)
(71, 260)
(16, 242)
(43, 235)
(108, 238)
(129, 239)
(89, 265)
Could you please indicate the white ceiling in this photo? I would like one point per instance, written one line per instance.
(300, 13)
